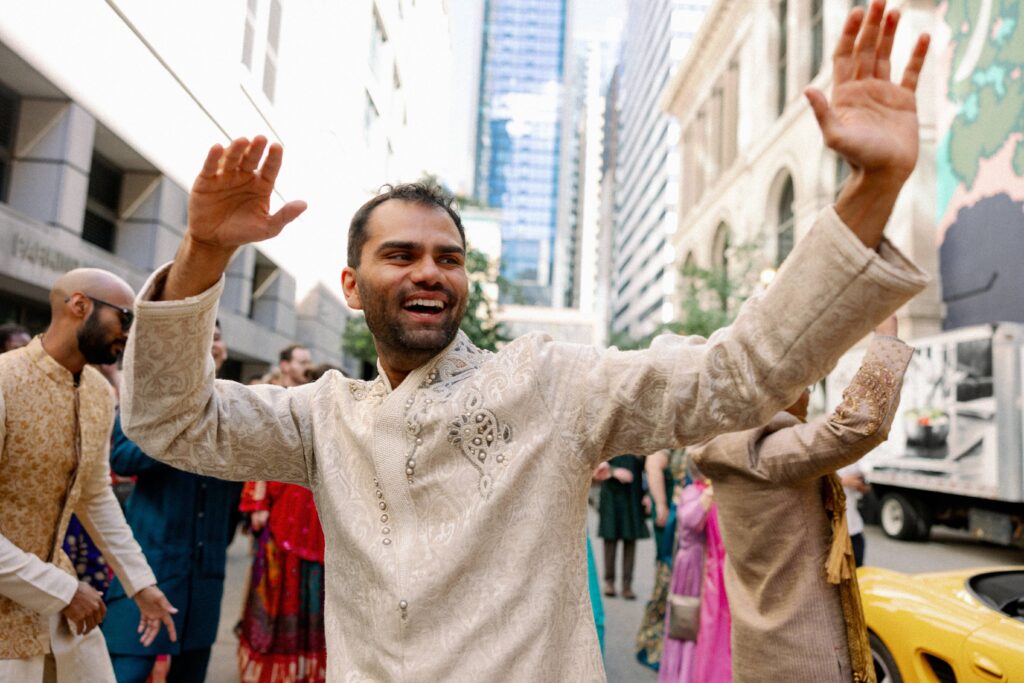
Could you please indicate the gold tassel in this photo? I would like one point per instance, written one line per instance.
(841, 569)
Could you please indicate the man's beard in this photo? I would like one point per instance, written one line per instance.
(389, 332)
(93, 343)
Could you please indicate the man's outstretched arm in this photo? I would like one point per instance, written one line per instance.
(171, 405)
(842, 279)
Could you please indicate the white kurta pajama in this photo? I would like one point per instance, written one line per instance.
(454, 505)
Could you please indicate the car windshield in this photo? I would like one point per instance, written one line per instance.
(1002, 591)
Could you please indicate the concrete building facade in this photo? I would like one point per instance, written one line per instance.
(107, 110)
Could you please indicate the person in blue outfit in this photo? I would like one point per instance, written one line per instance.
(184, 523)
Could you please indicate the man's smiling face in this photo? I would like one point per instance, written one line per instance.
(411, 281)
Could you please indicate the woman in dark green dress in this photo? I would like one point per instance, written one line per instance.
(622, 519)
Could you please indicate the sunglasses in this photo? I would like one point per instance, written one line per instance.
(127, 316)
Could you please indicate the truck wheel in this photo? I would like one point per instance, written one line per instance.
(903, 518)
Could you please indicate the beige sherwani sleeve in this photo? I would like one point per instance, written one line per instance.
(829, 294)
(174, 409)
(858, 424)
(102, 517)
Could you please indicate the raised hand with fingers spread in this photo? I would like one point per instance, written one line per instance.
(229, 206)
(230, 201)
(872, 121)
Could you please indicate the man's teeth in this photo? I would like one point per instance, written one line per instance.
(428, 303)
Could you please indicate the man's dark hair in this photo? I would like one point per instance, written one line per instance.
(286, 352)
(8, 330)
(426, 193)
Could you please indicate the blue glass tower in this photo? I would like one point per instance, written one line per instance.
(518, 138)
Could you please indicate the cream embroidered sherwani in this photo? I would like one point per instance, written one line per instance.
(787, 620)
(54, 460)
(454, 504)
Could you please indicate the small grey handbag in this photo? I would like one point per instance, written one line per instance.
(683, 616)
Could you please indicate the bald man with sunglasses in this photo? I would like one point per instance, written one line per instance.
(56, 414)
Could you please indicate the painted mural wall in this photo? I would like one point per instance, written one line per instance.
(980, 165)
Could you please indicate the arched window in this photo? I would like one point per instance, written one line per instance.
(720, 248)
(784, 244)
(781, 12)
(817, 36)
(685, 284)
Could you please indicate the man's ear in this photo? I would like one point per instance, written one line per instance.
(349, 288)
(78, 304)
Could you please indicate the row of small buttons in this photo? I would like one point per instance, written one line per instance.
(384, 518)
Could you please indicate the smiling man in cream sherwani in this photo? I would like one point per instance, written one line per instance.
(451, 488)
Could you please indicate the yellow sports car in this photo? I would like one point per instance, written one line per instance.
(952, 627)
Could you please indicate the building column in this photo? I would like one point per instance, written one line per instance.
(52, 157)
(273, 304)
(237, 296)
(154, 213)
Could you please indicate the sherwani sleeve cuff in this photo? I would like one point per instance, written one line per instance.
(192, 305)
(892, 351)
(887, 266)
(37, 585)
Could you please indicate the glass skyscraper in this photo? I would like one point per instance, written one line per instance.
(518, 137)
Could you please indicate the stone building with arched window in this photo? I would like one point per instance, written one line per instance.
(752, 158)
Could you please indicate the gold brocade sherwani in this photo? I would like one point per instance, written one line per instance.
(787, 620)
(454, 505)
(54, 460)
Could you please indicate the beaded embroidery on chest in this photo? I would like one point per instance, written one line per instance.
(476, 432)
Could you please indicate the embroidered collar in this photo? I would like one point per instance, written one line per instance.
(447, 366)
(54, 370)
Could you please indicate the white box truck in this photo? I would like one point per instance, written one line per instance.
(955, 454)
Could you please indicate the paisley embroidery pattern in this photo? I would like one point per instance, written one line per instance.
(481, 438)
(368, 390)
(869, 392)
(436, 388)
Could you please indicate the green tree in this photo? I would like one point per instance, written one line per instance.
(479, 323)
(710, 298)
(356, 340)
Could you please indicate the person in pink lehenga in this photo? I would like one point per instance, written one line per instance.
(697, 570)
(712, 657)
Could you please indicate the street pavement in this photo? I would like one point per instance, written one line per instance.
(948, 550)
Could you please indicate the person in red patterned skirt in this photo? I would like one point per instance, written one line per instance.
(282, 630)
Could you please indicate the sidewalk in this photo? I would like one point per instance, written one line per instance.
(223, 659)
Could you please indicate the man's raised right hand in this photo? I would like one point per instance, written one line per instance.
(229, 206)
(86, 610)
(230, 201)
